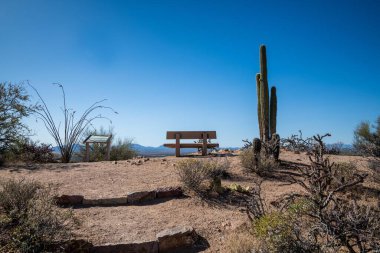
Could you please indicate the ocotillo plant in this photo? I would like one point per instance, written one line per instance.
(266, 106)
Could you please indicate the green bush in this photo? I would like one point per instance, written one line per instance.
(29, 219)
(274, 230)
(122, 150)
(367, 138)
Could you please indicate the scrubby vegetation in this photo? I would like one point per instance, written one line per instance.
(29, 219)
(323, 218)
(14, 107)
(28, 151)
(73, 127)
(121, 149)
(253, 162)
(367, 138)
(194, 173)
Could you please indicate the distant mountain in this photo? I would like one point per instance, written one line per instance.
(147, 150)
(159, 151)
(76, 148)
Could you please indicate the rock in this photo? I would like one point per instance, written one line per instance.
(169, 192)
(137, 197)
(69, 200)
(176, 238)
(134, 247)
(106, 201)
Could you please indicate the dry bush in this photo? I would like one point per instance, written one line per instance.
(296, 143)
(253, 162)
(374, 166)
(15, 197)
(321, 219)
(216, 168)
(343, 172)
(31, 222)
(193, 172)
(241, 242)
(338, 223)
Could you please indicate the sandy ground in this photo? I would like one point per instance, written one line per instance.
(100, 225)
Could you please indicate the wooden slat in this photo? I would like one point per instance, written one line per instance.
(192, 145)
(204, 144)
(190, 134)
(177, 145)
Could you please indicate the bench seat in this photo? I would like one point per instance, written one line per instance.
(191, 145)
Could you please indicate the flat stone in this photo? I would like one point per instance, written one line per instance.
(69, 200)
(138, 197)
(176, 238)
(169, 192)
(134, 247)
(105, 201)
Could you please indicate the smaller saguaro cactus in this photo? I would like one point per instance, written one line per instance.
(256, 145)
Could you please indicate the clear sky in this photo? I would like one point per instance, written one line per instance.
(191, 65)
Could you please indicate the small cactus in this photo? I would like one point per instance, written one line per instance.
(256, 146)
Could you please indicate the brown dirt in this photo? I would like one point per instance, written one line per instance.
(118, 224)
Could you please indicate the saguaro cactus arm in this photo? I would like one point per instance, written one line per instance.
(273, 111)
(259, 105)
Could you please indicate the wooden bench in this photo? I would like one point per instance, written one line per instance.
(200, 135)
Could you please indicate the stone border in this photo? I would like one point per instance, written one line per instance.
(166, 241)
(131, 198)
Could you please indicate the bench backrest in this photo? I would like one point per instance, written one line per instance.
(190, 134)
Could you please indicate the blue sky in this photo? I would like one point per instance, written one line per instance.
(191, 65)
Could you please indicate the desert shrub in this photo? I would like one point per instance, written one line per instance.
(274, 231)
(31, 151)
(367, 138)
(256, 163)
(343, 172)
(31, 222)
(28, 151)
(335, 148)
(240, 242)
(15, 197)
(374, 166)
(296, 143)
(216, 168)
(337, 223)
(122, 150)
(248, 160)
(193, 172)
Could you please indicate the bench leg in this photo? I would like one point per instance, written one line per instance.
(204, 146)
(177, 146)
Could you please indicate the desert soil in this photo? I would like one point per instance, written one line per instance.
(122, 224)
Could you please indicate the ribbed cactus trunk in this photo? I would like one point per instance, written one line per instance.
(264, 94)
(259, 105)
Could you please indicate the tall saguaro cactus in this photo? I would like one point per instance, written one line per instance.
(266, 105)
